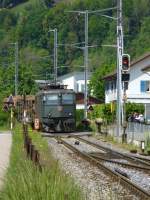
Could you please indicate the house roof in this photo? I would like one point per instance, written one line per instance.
(112, 75)
(146, 55)
(42, 81)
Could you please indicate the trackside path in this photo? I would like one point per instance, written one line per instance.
(5, 147)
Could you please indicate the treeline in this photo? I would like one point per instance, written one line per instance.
(30, 24)
(10, 3)
(13, 3)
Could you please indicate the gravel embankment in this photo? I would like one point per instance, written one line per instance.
(138, 177)
(94, 183)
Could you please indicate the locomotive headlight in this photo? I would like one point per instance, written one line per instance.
(70, 114)
(60, 108)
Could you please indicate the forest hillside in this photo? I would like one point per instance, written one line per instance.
(28, 22)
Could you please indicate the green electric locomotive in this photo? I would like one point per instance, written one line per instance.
(55, 108)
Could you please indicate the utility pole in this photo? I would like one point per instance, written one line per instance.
(119, 65)
(16, 68)
(85, 48)
(86, 65)
(55, 54)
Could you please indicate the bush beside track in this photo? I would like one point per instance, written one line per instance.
(4, 120)
(24, 180)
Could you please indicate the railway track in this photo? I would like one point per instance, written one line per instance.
(130, 158)
(133, 166)
(115, 175)
(142, 158)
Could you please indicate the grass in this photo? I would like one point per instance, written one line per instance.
(4, 126)
(147, 141)
(24, 181)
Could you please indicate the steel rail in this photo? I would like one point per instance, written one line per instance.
(120, 163)
(117, 176)
(142, 158)
(133, 159)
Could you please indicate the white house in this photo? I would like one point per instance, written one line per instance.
(75, 81)
(139, 84)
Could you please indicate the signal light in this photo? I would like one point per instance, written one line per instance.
(125, 62)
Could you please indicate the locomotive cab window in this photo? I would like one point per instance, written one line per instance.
(52, 99)
(67, 99)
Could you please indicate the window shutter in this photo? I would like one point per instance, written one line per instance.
(143, 86)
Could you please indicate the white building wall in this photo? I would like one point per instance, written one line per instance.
(69, 82)
(79, 106)
(75, 81)
(134, 93)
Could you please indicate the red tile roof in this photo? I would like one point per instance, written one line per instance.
(91, 100)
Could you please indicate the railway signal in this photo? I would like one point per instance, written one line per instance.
(125, 62)
(125, 79)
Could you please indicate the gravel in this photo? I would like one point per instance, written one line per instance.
(85, 147)
(93, 182)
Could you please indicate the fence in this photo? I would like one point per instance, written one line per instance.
(135, 131)
(32, 153)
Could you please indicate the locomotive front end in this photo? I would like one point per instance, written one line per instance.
(56, 110)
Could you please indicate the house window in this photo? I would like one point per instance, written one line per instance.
(107, 86)
(145, 86)
(112, 86)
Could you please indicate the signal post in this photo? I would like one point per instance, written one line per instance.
(125, 81)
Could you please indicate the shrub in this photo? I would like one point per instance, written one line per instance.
(4, 116)
(134, 107)
(79, 118)
(108, 111)
(97, 112)
(79, 115)
(104, 111)
(147, 141)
